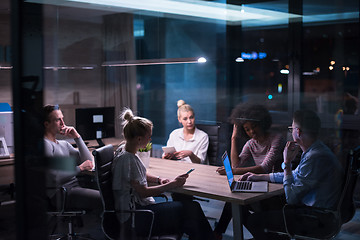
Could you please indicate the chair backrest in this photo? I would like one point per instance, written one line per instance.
(110, 224)
(346, 205)
(103, 160)
(218, 141)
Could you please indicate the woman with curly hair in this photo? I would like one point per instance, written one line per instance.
(263, 148)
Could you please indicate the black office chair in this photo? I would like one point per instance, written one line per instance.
(314, 218)
(69, 216)
(218, 140)
(110, 224)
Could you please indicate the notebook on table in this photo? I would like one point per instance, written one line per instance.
(242, 186)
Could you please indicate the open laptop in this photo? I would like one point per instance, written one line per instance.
(242, 186)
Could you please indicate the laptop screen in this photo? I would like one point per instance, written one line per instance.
(227, 165)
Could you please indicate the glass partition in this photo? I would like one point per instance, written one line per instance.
(287, 55)
(144, 57)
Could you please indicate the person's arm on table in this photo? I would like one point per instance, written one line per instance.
(146, 191)
(254, 169)
(156, 179)
(187, 153)
(199, 156)
(255, 177)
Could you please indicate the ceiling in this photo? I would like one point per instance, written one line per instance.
(248, 13)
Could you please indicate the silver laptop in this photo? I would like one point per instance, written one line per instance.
(242, 186)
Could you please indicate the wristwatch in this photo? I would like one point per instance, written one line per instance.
(284, 165)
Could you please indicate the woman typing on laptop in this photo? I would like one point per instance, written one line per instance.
(263, 150)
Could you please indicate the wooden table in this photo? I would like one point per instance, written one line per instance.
(114, 141)
(205, 182)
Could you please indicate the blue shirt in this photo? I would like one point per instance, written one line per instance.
(317, 181)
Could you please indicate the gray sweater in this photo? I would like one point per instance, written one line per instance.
(63, 163)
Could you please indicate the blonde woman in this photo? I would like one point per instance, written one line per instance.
(131, 190)
(191, 144)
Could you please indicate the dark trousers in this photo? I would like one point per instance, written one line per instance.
(267, 204)
(259, 223)
(78, 198)
(300, 220)
(176, 217)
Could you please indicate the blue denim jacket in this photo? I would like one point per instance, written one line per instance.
(317, 181)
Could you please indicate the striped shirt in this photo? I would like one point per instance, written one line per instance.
(267, 154)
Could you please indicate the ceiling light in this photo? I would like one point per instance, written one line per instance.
(233, 14)
(153, 62)
(201, 60)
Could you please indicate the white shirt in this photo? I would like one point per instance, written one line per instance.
(198, 144)
(125, 168)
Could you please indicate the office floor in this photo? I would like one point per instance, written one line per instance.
(212, 209)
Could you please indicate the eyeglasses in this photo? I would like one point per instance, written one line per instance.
(290, 129)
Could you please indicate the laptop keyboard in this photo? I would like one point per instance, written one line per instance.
(243, 185)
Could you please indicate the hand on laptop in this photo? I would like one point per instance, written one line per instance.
(254, 177)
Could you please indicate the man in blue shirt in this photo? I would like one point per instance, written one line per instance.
(316, 181)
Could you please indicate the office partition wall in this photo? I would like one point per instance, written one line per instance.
(287, 55)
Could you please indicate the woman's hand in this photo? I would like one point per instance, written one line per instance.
(183, 154)
(163, 180)
(179, 180)
(235, 132)
(69, 132)
(168, 155)
(86, 166)
(221, 170)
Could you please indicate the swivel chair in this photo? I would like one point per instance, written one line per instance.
(110, 224)
(70, 216)
(313, 217)
(218, 140)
